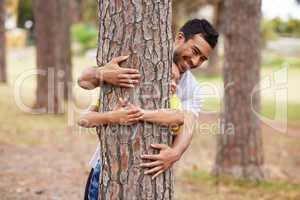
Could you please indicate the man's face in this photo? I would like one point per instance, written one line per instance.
(191, 53)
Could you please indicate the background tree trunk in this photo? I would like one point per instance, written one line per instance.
(239, 149)
(77, 8)
(52, 34)
(2, 43)
(213, 67)
(141, 29)
(64, 60)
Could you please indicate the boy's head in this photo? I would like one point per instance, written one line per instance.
(194, 43)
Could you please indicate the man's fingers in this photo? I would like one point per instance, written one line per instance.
(129, 76)
(123, 102)
(128, 81)
(119, 59)
(133, 111)
(151, 164)
(159, 146)
(136, 115)
(153, 170)
(135, 120)
(157, 174)
(130, 71)
(150, 157)
(126, 85)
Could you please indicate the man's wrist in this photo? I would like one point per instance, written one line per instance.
(177, 153)
(101, 74)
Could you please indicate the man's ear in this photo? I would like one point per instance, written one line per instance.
(180, 37)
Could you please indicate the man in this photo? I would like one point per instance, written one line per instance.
(193, 45)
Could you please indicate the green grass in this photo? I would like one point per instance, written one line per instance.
(227, 187)
(19, 127)
(274, 60)
(293, 112)
(268, 110)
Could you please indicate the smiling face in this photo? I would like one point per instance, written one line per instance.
(192, 53)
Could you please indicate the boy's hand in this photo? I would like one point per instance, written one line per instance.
(126, 116)
(159, 162)
(126, 113)
(113, 74)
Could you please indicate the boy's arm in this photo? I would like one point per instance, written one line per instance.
(164, 116)
(93, 118)
(169, 155)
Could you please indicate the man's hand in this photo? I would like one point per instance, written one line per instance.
(113, 74)
(160, 162)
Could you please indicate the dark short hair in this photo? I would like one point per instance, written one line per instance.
(203, 27)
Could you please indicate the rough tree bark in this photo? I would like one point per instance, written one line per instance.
(239, 148)
(2, 43)
(141, 29)
(52, 34)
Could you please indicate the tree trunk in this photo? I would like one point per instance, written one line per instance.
(239, 148)
(213, 67)
(77, 9)
(52, 34)
(141, 29)
(64, 53)
(2, 43)
(213, 60)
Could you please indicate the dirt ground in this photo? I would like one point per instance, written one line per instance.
(54, 165)
(54, 169)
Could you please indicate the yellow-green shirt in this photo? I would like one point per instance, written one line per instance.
(175, 104)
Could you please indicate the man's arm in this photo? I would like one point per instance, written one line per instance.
(89, 78)
(184, 138)
(110, 73)
(169, 155)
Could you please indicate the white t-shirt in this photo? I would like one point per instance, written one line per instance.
(189, 93)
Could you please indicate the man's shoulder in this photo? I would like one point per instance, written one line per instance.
(189, 92)
(187, 79)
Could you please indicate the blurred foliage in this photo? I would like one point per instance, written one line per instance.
(267, 32)
(25, 12)
(90, 11)
(290, 27)
(274, 60)
(85, 35)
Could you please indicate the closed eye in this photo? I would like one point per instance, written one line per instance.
(203, 58)
(196, 51)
